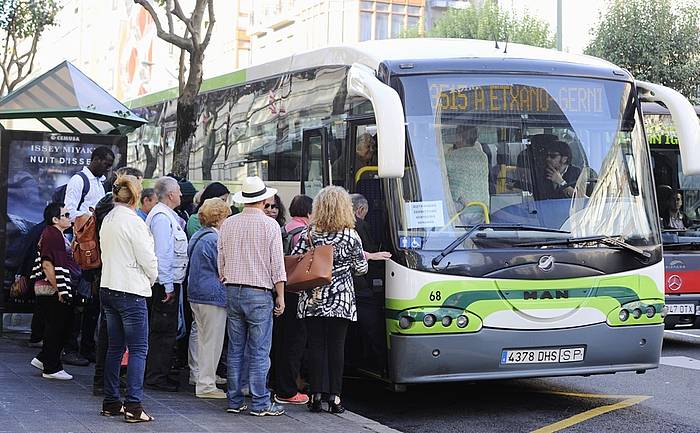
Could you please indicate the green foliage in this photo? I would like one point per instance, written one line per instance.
(488, 22)
(656, 40)
(25, 18)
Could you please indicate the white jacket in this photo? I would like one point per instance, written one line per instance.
(129, 262)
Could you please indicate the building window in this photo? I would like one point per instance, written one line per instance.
(387, 18)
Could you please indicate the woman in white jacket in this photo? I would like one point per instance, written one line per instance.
(129, 269)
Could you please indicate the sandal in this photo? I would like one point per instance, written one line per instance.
(136, 413)
(112, 408)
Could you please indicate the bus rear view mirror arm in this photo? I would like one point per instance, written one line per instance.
(388, 112)
(684, 119)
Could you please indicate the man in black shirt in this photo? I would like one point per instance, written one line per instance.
(560, 175)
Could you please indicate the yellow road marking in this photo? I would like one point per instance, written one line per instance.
(579, 418)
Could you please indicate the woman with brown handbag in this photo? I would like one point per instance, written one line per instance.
(329, 309)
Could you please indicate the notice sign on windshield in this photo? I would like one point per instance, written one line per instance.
(424, 214)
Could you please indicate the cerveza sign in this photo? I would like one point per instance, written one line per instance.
(662, 140)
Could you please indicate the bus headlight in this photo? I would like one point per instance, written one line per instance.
(624, 315)
(636, 313)
(429, 320)
(446, 321)
(462, 321)
(651, 311)
(404, 322)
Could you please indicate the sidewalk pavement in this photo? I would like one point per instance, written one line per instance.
(29, 403)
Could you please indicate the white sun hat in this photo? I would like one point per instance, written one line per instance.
(254, 190)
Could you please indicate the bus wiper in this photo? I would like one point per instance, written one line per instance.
(451, 247)
(613, 241)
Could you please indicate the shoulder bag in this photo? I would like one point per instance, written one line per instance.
(311, 269)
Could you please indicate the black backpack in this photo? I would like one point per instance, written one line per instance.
(287, 239)
(59, 194)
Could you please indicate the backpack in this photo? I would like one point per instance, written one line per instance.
(59, 194)
(86, 247)
(288, 237)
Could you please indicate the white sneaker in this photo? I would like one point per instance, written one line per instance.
(37, 364)
(59, 375)
(221, 380)
(213, 394)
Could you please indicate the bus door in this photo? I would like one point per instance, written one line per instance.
(314, 169)
(368, 340)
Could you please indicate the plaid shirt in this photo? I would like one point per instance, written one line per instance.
(250, 250)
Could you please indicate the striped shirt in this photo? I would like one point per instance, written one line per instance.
(250, 250)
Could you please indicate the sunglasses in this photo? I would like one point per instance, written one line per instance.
(65, 215)
(553, 155)
(270, 206)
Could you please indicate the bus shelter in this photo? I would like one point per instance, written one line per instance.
(49, 128)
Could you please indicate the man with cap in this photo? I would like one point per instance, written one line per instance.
(251, 264)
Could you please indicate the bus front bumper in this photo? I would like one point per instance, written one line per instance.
(477, 356)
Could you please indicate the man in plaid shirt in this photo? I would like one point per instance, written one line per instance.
(251, 264)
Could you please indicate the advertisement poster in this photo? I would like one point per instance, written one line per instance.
(32, 166)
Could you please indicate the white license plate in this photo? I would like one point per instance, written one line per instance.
(542, 356)
(681, 308)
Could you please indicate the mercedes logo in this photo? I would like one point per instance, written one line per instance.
(674, 282)
(546, 263)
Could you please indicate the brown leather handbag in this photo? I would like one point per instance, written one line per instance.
(312, 269)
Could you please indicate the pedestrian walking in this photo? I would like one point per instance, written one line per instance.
(170, 243)
(129, 269)
(328, 310)
(251, 265)
(55, 274)
(207, 296)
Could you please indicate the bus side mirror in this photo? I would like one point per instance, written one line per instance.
(388, 112)
(684, 119)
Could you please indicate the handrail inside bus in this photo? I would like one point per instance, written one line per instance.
(481, 204)
(388, 112)
(684, 118)
(364, 170)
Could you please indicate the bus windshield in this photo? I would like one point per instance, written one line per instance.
(677, 194)
(561, 153)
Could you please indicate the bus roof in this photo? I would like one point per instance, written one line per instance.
(372, 53)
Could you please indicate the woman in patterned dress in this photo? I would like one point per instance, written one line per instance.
(328, 310)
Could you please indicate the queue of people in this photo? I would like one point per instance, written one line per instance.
(230, 272)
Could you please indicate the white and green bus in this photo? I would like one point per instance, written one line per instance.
(500, 268)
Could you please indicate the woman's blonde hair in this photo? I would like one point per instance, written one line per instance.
(126, 190)
(212, 211)
(332, 210)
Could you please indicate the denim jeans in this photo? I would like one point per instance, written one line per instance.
(127, 326)
(249, 325)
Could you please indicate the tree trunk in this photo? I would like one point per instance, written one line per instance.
(151, 163)
(187, 117)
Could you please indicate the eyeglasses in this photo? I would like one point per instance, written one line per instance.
(553, 155)
(270, 206)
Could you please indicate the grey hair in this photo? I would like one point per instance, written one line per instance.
(358, 201)
(164, 185)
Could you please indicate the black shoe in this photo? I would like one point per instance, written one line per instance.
(89, 356)
(335, 407)
(167, 387)
(73, 358)
(314, 404)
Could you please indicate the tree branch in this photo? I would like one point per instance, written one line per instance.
(212, 20)
(177, 11)
(171, 37)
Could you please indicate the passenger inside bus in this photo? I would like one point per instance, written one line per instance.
(468, 169)
(560, 174)
(674, 218)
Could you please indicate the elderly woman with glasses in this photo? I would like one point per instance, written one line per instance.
(53, 272)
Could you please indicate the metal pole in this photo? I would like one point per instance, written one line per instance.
(559, 26)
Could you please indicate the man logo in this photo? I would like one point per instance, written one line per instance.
(546, 263)
(674, 282)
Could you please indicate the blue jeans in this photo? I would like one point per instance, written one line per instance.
(127, 327)
(250, 337)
